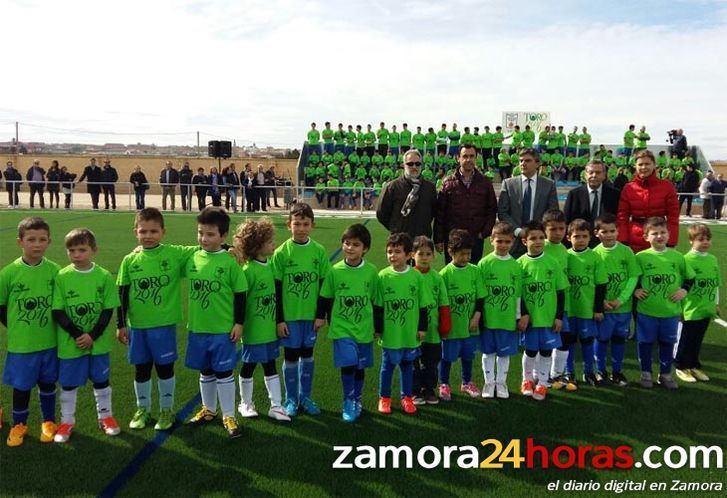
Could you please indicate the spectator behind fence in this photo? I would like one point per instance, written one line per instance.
(92, 175)
(250, 195)
(53, 187)
(706, 195)
(688, 186)
(109, 177)
(36, 182)
(168, 178)
(260, 201)
(409, 203)
(270, 181)
(13, 180)
(215, 187)
(201, 185)
(141, 185)
(232, 187)
(185, 186)
(67, 182)
(717, 188)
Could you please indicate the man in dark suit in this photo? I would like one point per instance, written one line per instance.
(526, 197)
(169, 178)
(593, 199)
(93, 176)
(36, 181)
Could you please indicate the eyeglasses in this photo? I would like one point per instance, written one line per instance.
(412, 164)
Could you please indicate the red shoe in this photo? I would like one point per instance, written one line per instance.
(526, 388)
(385, 406)
(540, 392)
(109, 426)
(407, 404)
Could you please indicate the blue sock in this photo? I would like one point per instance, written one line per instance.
(20, 416)
(601, 353)
(444, 368)
(618, 349)
(47, 405)
(387, 373)
(406, 372)
(290, 377)
(666, 357)
(21, 401)
(587, 352)
(645, 356)
(466, 371)
(306, 376)
(570, 363)
(358, 385)
(349, 385)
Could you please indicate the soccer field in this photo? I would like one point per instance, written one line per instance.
(296, 459)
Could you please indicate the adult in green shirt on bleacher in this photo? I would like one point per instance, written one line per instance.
(543, 139)
(314, 139)
(560, 135)
(467, 137)
(497, 140)
(360, 141)
(405, 138)
(517, 138)
(486, 141)
(442, 137)
(641, 138)
(382, 135)
(327, 135)
(528, 138)
(573, 138)
(454, 137)
(349, 141)
(430, 140)
(370, 140)
(418, 140)
(394, 139)
(629, 137)
(584, 143)
(339, 138)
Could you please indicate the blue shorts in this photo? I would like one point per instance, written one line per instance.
(157, 345)
(584, 327)
(301, 335)
(541, 338)
(650, 329)
(349, 353)
(566, 323)
(502, 342)
(24, 370)
(396, 356)
(614, 325)
(260, 353)
(210, 352)
(464, 348)
(76, 371)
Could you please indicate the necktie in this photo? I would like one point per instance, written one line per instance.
(594, 205)
(527, 201)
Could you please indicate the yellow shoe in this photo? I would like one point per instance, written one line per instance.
(48, 431)
(699, 374)
(17, 433)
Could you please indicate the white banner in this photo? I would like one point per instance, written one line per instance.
(536, 120)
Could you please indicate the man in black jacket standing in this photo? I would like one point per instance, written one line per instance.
(13, 180)
(93, 176)
(593, 199)
(408, 203)
(109, 177)
(169, 178)
(185, 188)
(36, 181)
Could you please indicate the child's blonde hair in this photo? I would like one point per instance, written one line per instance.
(250, 236)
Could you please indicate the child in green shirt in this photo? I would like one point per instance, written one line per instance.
(700, 305)
(84, 299)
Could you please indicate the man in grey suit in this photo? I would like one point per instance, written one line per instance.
(526, 197)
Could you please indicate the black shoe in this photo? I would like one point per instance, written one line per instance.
(431, 399)
(619, 379)
(603, 376)
(591, 379)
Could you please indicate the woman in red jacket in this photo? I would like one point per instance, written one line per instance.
(644, 197)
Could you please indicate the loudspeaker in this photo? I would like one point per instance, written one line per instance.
(219, 148)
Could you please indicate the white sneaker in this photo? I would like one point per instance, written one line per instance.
(278, 413)
(247, 410)
(501, 390)
(489, 391)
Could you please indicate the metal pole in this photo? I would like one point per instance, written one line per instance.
(17, 142)
(198, 150)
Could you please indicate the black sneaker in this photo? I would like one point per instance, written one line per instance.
(431, 399)
(603, 376)
(591, 379)
(619, 379)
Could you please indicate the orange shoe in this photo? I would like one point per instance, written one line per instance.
(526, 388)
(63, 434)
(48, 431)
(385, 405)
(17, 435)
(407, 404)
(109, 426)
(540, 392)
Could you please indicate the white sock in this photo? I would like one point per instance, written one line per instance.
(503, 365)
(528, 365)
(543, 368)
(488, 367)
(103, 402)
(548, 362)
(226, 394)
(561, 357)
(208, 390)
(143, 394)
(166, 392)
(535, 368)
(68, 406)
(272, 384)
(246, 390)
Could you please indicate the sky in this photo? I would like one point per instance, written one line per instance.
(262, 70)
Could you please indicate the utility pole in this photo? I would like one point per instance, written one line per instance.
(198, 151)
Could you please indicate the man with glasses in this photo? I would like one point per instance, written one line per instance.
(408, 203)
(467, 201)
